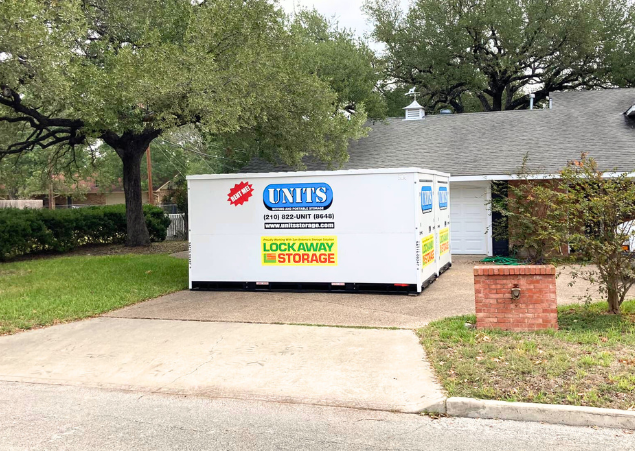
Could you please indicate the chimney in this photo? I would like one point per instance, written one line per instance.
(531, 100)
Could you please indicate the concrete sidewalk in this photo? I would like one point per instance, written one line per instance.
(359, 368)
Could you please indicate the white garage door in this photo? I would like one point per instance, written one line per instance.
(468, 218)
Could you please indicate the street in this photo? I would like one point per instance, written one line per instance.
(52, 417)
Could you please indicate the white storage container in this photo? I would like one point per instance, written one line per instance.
(357, 230)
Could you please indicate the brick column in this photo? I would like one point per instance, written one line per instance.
(535, 309)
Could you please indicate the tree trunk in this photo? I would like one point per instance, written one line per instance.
(497, 101)
(137, 232)
(613, 299)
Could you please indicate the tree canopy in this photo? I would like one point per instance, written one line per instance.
(78, 73)
(498, 51)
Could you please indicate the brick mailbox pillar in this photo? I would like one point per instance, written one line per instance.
(516, 298)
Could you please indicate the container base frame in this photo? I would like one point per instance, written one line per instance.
(297, 287)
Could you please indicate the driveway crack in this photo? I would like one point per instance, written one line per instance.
(211, 351)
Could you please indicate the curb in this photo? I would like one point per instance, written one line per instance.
(544, 413)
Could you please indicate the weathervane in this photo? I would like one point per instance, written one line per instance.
(412, 93)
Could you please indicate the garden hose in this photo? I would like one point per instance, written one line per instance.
(501, 260)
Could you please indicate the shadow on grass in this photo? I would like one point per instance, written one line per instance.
(594, 318)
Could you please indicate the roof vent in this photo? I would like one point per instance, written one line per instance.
(630, 112)
(414, 111)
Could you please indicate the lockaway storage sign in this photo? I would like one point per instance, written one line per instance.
(427, 248)
(299, 250)
(444, 242)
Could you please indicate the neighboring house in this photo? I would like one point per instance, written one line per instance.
(95, 195)
(87, 193)
(480, 148)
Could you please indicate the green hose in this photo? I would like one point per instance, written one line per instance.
(501, 260)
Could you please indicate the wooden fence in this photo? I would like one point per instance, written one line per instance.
(21, 204)
(176, 229)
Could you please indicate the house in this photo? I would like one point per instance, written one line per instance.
(87, 192)
(478, 149)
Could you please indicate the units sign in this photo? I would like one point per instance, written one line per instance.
(299, 250)
(443, 197)
(298, 196)
(426, 199)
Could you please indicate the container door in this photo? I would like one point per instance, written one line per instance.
(442, 223)
(427, 228)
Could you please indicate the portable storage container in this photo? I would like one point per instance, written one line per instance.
(356, 230)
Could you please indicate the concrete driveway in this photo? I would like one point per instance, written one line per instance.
(359, 368)
(202, 344)
(452, 294)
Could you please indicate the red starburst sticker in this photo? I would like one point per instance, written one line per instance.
(240, 193)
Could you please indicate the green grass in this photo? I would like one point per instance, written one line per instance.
(49, 291)
(590, 361)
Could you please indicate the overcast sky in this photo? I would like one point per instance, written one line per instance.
(347, 13)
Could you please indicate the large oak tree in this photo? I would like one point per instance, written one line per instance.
(77, 73)
(497, 51)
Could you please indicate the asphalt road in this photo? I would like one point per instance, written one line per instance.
(38, 417)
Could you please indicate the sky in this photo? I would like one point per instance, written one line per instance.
(347, 13)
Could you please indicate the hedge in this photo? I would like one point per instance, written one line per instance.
(31, 231)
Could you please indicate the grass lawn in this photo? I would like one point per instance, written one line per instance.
(48, 291)
(590, 361)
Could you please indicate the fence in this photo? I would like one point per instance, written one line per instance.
(169, 209)
(177, 229)
(21, 204)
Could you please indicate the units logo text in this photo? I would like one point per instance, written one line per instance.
(443, 197)
(426, 199)
(298, 196)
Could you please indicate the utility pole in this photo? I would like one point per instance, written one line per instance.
(150, 190)
(51, 195)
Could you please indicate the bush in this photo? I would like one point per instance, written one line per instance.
(30, 231)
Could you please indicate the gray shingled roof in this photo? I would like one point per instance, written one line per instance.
(494, 143)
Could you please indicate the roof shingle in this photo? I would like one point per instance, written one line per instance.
(495, 143)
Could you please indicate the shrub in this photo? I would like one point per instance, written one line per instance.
(30, 231)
